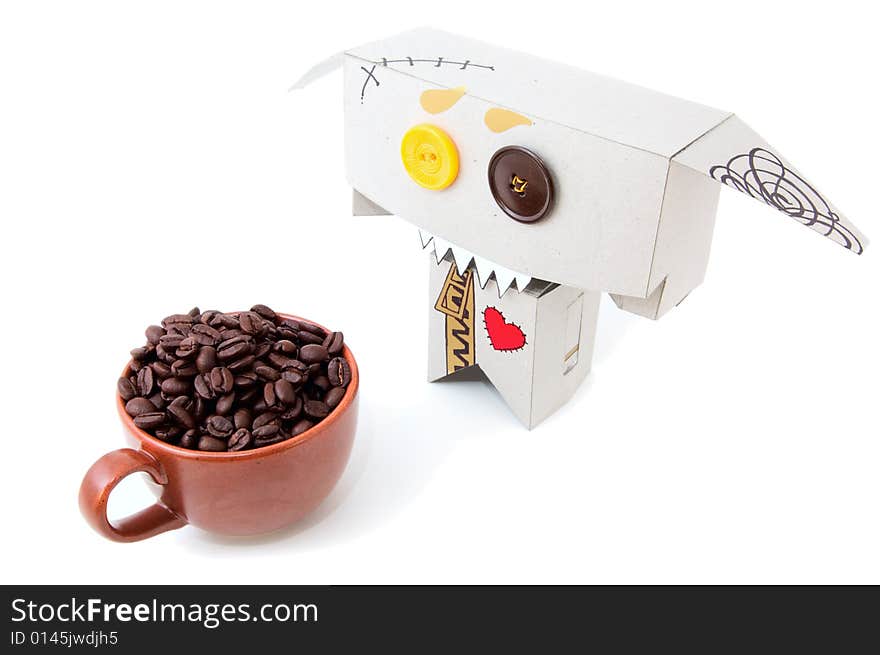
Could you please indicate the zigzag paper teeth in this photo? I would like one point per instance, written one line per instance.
(522, 281)
(441, 247)
(463, 259)
(426, 238)
(484, 270)
(505, 278)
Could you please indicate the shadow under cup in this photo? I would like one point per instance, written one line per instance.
(233, 493)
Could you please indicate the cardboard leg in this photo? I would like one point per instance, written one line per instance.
(535, 346)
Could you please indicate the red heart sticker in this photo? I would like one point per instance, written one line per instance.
(503, 336)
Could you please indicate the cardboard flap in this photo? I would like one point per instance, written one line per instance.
(319, 70)
(735, 155)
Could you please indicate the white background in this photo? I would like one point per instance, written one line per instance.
(152, 158)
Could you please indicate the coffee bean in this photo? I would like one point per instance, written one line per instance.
(154, 333)
(176, 386)
(187, 349)
(126, 389)
(177, 318)
(278, 360)
(312, 329)
(333, 342)
(207, 316)
(267, 373)
(264, 311)
(285, 347)
(301, 426)
(339, 372)
(293, 410)
(235, 348)
(137, 406)
(267, 430)
(190, 439)
(221, 380)
(262, 349)
(225, 321)
(334, 396)
(182, 401)
(164, 355)
(206, 359)
(269, 394)
(212, 444)
(145, 381)
(184, 369)
(205, 335)
(200, 407)
(219, 426)
(225, 403)
(239, 440)
(312, 353)
(242, 418)
(250, 322)
(268, 441)
(322, 383)
(170, 342)
(297, 365)
(140, 354)
(202, 385)
(246, 380)
(167, 433)
(149, 420)
(178, 329)
(310, 339)
(286, 332)
(316, 409)
(161, 369)
(264, 419)
(293, 376)
(215, 381)
(284, 391)
(241, 364)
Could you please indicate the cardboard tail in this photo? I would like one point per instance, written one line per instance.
(535, 346)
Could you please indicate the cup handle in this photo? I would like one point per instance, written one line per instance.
(99, 482)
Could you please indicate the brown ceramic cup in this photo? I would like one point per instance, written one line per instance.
(240, 493)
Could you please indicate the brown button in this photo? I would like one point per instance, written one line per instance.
(520, 184)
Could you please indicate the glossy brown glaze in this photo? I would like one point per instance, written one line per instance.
(239, 493)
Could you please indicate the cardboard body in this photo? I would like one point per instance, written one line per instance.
(536, 346)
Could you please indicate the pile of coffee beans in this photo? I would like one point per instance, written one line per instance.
(218, 381)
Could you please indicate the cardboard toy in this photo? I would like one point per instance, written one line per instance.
(537, 186)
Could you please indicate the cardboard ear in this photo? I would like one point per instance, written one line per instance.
(735, 155)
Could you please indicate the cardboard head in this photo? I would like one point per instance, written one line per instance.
(552, 172)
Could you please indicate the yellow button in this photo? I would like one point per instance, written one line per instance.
(429, 156)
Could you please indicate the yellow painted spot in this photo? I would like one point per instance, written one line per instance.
(435, 101)
(501, 120)
(429, 156)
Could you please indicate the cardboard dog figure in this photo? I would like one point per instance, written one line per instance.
(536, 187)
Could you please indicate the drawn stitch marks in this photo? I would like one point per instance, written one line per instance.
(762, 175)
(370, 73)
